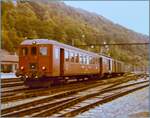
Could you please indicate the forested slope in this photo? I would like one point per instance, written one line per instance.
(55, 20)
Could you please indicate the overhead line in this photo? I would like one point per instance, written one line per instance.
(114, 44)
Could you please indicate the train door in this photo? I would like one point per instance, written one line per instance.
(115, 70)
(101, 65)
(33, 58)
(61, 61)
(109, 65)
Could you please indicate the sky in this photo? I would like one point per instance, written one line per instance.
(133, 15)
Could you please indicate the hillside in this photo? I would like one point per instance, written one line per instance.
(55, 20)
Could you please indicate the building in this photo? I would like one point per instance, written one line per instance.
(8, 62)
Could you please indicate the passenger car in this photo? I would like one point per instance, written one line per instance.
(43, 62)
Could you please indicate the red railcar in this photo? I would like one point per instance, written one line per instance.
(43, 62)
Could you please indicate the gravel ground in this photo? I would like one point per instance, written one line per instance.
(133, 105)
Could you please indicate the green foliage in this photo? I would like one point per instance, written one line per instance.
(55, 20)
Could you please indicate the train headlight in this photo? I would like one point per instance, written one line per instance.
(43, 68)
(27, 76)
(36, 76)
(22, 68)
(34, 42)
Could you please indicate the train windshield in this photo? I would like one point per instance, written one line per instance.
(43, 51)
(33, 51)
(24, 51)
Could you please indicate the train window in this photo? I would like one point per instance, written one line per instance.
(105, 60)
(33, 50)
(76, 57)
(85, 59)
(24, 51)
(96, 60)
(93, 60)
(90, 60)
(56, 53)
(66, 55)
(72, 56)
(81, 59)
(43, 51)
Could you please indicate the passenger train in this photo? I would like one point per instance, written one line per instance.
(44, 62)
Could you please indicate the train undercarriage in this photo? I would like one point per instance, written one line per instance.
(45, 81)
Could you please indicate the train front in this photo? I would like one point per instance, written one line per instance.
(33, 62)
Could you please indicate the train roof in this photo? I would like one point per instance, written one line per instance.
(47, 41)
(38, 41)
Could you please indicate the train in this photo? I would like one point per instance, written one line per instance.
(44, 62)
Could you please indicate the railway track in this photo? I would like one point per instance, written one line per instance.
(8, 96)
(51, 104)
(111, 94)
(13, 85)
(31, 93)
(11, 82)
(9, 91)
(8, 80)
(12, 90)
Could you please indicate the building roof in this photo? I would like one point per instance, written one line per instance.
(3, 52)
(7, 57)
